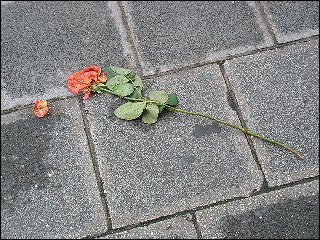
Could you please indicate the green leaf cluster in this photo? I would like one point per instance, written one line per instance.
(128, 85)
(123, 82)
(148, 108)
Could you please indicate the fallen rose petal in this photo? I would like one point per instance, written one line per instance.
(87, 93)
(40, 108)
(102, 78)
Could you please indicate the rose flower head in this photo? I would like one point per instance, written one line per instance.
(40, 108)
(84, 80)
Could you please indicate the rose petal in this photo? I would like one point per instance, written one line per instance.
(40, 108)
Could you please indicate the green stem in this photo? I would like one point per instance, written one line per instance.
(128, 98)
(244, 130)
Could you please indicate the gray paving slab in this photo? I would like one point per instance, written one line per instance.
(176, 228)
(292, 20)
(278, 93)
(172, 34)
(180, 162)
(291, 213)
(43, 42)
(48, 186)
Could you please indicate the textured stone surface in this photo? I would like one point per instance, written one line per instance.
(291, 213)
(41, 44)
(292, 20)
(48, 187)
(173, 34)
(180, 162)
(176, 228)
(278, 93)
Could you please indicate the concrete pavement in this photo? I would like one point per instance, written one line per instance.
(80, 172)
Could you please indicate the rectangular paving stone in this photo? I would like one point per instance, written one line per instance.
(292, 20)
(180, 162)
(171, 34)
(278, 93)
(176, 228)
(290, 213)
(43, 42)
(48, 186)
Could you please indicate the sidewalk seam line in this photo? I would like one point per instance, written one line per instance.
(231, 57)
(130, 37)
(95, 163)
(190, 66)
(196, 224)
(203, 207)
(236, 105)
(30, 105)
(266, 22)
(286, 185)
(263, 191)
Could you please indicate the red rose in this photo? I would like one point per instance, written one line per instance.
(83, 80)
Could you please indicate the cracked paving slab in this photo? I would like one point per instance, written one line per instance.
(178, 163)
